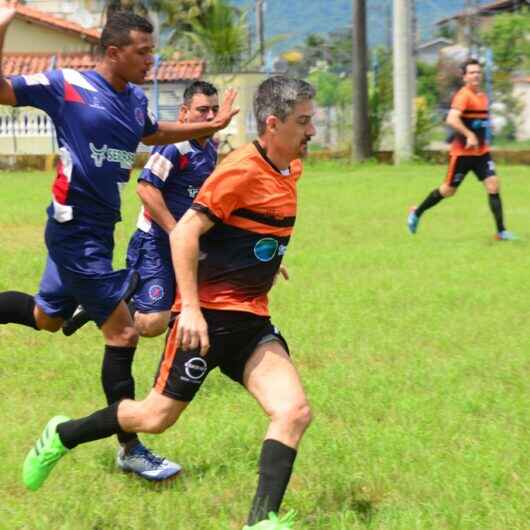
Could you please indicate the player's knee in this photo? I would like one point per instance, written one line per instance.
(448, 191)
(151, 325)
(127, 337)
(492, 186)
(297, 415)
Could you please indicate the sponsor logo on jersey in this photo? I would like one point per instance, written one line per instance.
(266, 249)
(109, 154)
(192, 191)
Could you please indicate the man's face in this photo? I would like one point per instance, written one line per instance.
(200, 108)
(473, 75)
(133, 61)
(291, 136)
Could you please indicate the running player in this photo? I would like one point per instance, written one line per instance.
(100, 118)
(470, 150)
(236, 233)
(167, 186)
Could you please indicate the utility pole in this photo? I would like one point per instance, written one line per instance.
(260, 31)
(403, 135)
(361, 141)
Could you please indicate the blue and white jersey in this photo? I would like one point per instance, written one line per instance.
(98, 132)
(178, 171)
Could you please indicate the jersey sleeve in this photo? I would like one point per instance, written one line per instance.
(151, 123)
(163, 162)
(460, 101)
(222, 193)
(43, 91)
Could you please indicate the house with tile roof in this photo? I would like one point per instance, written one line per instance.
(38, 41)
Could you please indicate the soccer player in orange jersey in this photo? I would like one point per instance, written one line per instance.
(470, 150)
(226, 250)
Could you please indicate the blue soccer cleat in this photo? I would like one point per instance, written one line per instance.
(505, 236)
(146, 464)
(413, 221)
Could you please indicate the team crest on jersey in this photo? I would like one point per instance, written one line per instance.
(139, 115)
(156, 292)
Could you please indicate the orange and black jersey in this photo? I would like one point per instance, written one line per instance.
(253, 206)
(474, 108)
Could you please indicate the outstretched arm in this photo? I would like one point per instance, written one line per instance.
(171, 132)
(7, 13)
(192, 330)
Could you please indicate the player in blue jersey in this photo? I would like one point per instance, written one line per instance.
(167, 186)
(100, 117)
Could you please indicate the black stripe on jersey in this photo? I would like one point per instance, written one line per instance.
(206, 211)
(265, 219)
(475, 113)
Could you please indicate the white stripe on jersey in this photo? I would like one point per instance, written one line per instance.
(76, 78)
(36, 79)
(62, 212)
(66, 160)
(143, 223)
(159, 165)
(183, 147)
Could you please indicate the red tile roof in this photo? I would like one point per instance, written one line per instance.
(45, 19)
(32, 63)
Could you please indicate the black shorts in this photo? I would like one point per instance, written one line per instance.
(483, 167)
(233, 336)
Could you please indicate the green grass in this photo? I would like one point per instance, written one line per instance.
(414, 351)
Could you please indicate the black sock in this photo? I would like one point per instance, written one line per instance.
(275, 467)
(117, 380)
(17, 308)
(100, 424)
(431, 200)
(496, 210)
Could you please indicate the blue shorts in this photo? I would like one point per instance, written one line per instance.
(151, 258)
(79, 271)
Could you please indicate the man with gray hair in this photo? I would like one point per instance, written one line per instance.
(226, 251)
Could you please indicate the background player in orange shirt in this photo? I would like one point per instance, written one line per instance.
(470, 150)
(226, 250)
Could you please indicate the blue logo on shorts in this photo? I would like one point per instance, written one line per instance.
(265, 249)
(156, 292)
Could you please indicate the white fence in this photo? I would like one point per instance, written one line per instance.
(26, 131)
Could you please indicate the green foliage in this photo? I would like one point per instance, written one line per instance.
(380, 95)
(220, 35)
(509, 41)
(426, 82)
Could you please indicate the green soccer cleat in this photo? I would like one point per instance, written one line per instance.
(274, 522)
(44, 455)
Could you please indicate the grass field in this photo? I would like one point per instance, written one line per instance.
(414, 352)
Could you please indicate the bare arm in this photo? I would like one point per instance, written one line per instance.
(155, 205)
(7, 13)
(172, 132)
(192, 330)
(454, 120)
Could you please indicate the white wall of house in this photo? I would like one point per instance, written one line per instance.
(522, 93)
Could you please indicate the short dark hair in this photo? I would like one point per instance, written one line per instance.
(198, 87)
(118, 27)
(277, 96)
(469, 62)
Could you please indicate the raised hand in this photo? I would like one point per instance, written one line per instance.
(226, 112)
